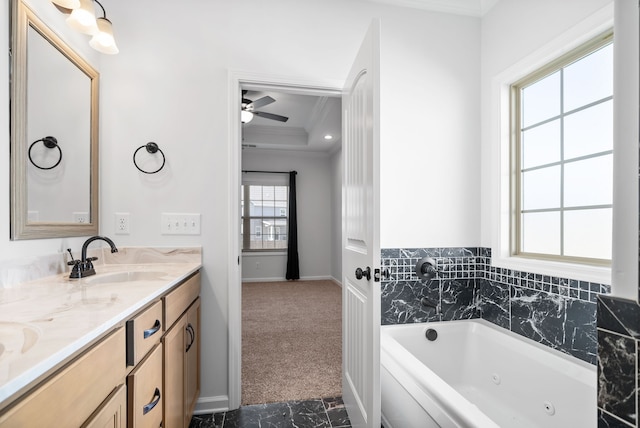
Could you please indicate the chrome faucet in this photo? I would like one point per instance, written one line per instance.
(84, 266)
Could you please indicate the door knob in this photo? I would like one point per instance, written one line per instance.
(366, 273)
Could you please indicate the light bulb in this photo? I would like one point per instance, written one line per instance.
(103, 40)
(83, 18)
(246, 116)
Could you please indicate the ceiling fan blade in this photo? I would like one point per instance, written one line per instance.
(271, 116)
(264, 101)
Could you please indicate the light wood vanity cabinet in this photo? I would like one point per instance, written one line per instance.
(71, 395)
(113, 413)
(143, 374)
(182, 353)
(144, 385)
(159, 382)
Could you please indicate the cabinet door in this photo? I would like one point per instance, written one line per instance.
(113, 413)
(144, 385)
(174, 343)
(192, 360)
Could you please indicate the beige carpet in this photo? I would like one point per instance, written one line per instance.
(291, 341)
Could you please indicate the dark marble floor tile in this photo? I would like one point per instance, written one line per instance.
(207, 421)
(291, 414)
(336, 412)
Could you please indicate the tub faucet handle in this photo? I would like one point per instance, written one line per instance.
(426, 268)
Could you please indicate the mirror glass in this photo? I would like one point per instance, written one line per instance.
(54, 134)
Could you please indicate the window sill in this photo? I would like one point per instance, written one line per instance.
(597, 274)
(264, 253)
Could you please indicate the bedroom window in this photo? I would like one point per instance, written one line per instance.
(264, 215)
(562, 157)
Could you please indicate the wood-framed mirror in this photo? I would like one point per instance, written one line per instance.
(54, 93)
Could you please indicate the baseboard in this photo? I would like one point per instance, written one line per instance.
(216, 404)
(304, 278)
(385, 422)
(338, 283)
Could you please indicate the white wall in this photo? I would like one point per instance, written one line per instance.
(430, 174)
(314, 209)
(169, 85)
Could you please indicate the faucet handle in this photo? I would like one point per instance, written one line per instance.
(91, 259)
(73, 261)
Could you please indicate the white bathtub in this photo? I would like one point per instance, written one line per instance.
(478, 375)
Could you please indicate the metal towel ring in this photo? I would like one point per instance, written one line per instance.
(151, 148)
(49, 142)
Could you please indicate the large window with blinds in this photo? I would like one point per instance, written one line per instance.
(562, 157)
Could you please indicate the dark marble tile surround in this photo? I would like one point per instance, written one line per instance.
(557, 312)
(618, 351)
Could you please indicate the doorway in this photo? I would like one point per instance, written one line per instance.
(258, 268)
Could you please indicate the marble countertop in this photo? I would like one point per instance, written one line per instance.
(45, 322)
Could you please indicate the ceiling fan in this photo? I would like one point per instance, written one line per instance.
(249, 109)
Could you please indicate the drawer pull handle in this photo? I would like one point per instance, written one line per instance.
(153, 330)
(147, 407)
(192, 336)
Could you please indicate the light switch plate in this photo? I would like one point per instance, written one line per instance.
(180, 224)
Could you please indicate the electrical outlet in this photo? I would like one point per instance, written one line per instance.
(179, 224)
(81, 217)
(122, 223)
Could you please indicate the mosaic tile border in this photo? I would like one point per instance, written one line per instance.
(475, 263)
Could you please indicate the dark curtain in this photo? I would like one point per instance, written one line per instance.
(293, 268)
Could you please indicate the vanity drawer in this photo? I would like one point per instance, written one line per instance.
(144, 386)
(73, 394)
(143, 332)
(178, 300)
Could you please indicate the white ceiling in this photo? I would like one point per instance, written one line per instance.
(310, 119)
(313, 117)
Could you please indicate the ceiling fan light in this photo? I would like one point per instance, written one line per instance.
(246, 116)
(83, 18)
(103, 40)
(67, 4)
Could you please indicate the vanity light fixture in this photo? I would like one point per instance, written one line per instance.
(328, 137)
(103, 41)
(67, 4)
(82, 18)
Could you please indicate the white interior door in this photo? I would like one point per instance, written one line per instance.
(361, 236)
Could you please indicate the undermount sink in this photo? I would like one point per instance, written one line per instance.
(130, 276)
(16, 339)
